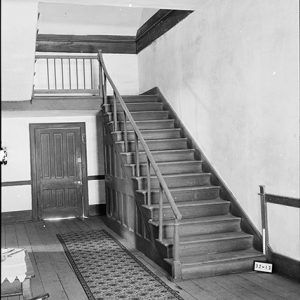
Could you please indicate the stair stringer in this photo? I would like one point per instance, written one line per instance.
(120, 187)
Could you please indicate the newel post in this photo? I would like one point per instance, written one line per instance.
(264, 219)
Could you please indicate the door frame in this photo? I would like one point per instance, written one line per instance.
(33, 163)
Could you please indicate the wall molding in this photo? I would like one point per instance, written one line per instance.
(285, 265)
(97, 210)
(28, 182)
(26, 215)
(96, 177)
(282, 200)
(225, 192)
(16, 216)
(161, 22)
(16, 183)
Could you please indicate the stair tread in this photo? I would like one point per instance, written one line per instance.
(191, 203)
(194, 260)
(208, 237)
(184, 188)
(197, 220)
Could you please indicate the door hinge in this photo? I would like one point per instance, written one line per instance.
(83, 138)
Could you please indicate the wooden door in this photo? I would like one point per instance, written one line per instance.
(58, 170)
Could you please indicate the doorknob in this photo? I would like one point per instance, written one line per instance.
(78, 182)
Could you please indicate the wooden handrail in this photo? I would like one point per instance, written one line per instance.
(62, 56)
(161, 180)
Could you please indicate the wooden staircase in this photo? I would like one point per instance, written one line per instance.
(211, 241)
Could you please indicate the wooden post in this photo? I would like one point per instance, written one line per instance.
(160, 224)
(101, 82)
(264, 219)
(176, 262)
(148, 182)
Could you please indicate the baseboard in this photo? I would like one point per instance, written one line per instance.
(26, 215)
(236, 209)
(16, 216)
(97, 210)
(285, 265)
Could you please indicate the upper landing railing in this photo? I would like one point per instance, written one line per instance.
(66, 74)
(60, 74)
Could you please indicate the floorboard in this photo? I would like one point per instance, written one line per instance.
(37, 287)
(54, 275)
(50, 280)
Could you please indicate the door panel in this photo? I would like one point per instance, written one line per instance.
(58, 164)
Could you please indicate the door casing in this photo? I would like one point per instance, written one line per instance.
(33, 161)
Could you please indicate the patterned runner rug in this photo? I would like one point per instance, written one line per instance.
(107, 270)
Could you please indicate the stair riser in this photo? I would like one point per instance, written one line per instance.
(203, 179)
(140, 116)
(214, 269)
(168, 134)
(158, 145)
(190, 212)
(216, 246)
(167, 124)
(187, 195)
(174, 168)
(162, 157)
(203, 228)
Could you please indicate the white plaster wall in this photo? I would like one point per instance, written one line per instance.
(60, 18)
(284, 229)
(230, 71)
(18, 32)
(15, 136)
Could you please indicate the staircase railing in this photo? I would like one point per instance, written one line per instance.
(66, 74)
(163, 188)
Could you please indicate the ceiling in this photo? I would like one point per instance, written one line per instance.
(58, 18)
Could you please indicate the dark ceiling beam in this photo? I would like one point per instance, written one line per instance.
(86, 43)
(156, 26)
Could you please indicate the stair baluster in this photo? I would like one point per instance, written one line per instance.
(160, 218)
(137, 155)
(62, 74)
(115, 113)
(48, 78)
(104, 88)
(148, 182)
(101, 92)
(70, 76)
(125, 132)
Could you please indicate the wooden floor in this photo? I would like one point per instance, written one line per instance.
(54, 275)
